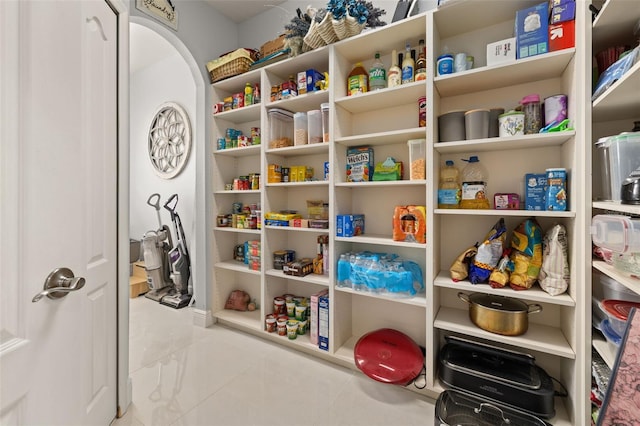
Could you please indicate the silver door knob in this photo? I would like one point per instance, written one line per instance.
(59, 283)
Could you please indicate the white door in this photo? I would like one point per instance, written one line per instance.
(58, 81)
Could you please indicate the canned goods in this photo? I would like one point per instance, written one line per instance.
(255, 181)
(222, 143)
(286, 174)
(270, 323)
(279, 306)
(222, 221)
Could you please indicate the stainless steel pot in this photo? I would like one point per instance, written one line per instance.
(499, 314)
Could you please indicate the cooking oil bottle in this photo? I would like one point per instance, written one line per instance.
(474, 185)
(358, 80)
(449, 187)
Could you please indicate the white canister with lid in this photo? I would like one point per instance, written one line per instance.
(314, 121)
(511, 124)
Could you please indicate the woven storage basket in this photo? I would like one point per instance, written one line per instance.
(347, 27)
(234, 63)
(325, 28)
(313, 39)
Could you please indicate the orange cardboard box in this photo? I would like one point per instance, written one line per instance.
(410, 224)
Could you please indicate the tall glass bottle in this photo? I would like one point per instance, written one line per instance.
(408, 66)
(421, 62)
(394, 76)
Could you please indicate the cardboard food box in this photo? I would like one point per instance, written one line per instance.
(562, 35)
(349, 225)
(563, 12)
(360, 164)
(410, 224)
(323, 322)
(534, 191)
(502, 51)
(313, 315)
(298, 268)
(532, 31)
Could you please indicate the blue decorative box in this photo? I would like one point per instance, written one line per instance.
(532, 32)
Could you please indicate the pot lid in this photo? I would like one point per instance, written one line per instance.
(498, 303)
(619, 309)
(388, 356)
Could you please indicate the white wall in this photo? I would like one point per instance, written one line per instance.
(268, 25)
(167, 80)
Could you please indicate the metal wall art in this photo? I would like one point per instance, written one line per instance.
(169, 140)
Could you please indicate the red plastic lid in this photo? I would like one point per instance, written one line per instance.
(389, 356)
(619, 308)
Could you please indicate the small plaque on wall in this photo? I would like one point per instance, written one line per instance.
(162, 10)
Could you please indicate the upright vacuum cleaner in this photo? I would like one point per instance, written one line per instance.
(156, 246)
(179, 262)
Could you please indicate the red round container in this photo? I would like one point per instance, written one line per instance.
(389, 356)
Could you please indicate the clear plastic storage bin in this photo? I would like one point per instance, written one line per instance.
(617, 233)
(623, 152)
(417, 159)
(314, 118)
(300, 134)
(280, 128)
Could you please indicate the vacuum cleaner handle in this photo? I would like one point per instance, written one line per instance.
(168, 206)
(155, 204)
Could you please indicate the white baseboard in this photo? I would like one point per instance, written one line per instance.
(202, 318)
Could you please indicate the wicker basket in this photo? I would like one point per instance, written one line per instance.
(234, 63)
(325, 28)
(347, 27)
(313, 38)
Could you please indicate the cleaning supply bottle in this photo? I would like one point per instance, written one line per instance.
(358, 80)
(394, 76)
(408, 66)
(449, 187)
(474, 185)
(377, 74)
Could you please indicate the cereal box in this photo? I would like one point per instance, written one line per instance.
(349, 225)
(360, 164)
(556, 194)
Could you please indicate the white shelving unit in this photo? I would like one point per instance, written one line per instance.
(386, 120)
(614, 112)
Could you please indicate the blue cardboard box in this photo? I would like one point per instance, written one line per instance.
(349, 225)
(323, 322)
(563, 13)
(535, 187)
(532, 32)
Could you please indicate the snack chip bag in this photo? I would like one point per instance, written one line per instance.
(500, 275)
(460, 267)
(526, 243)
(489, 253)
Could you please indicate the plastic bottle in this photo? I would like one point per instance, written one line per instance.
(474, 185)
(358, 80)
(532, 114)
(449, 187)
(377, 74)
(421, 62)
(394, 76)
(248, 94)
(408, 66)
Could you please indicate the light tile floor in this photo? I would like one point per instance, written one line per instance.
(187, 375)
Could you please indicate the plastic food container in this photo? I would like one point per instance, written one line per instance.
(609, 333)
(624, 157)
(617, 233)
(606, 287)
(417, 159)
(314, 120)
(280, 128)
(618, 312)
(300, 135)
(325, 121)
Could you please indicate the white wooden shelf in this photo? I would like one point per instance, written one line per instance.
(299, 184)
(538, 337)
(236, 266)
(418, 300)
(236, 191)
(383, 98)
(311, 278)
(623, 278)
(232, 84)
(620, 101)
(237, 230)
(617, 207)
(534, 294)
(248, 319)
(613, 25)
(309, 149)
(296, 229)
(239, 152)
(383, 240)
(378, 184)
(505, 143)
(240, 115)
(394, 137)
(605, 350)
(305, 102)
(494, 212)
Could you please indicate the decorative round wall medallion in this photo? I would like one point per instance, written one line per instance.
(169, 140)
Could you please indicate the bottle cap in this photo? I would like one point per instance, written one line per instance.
(449, 163)
(530, 98)
(472, 159)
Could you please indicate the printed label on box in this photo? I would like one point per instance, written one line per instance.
(359, 164)
(532, 31)
(535, 187)
(323, 322)
(349, 225)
